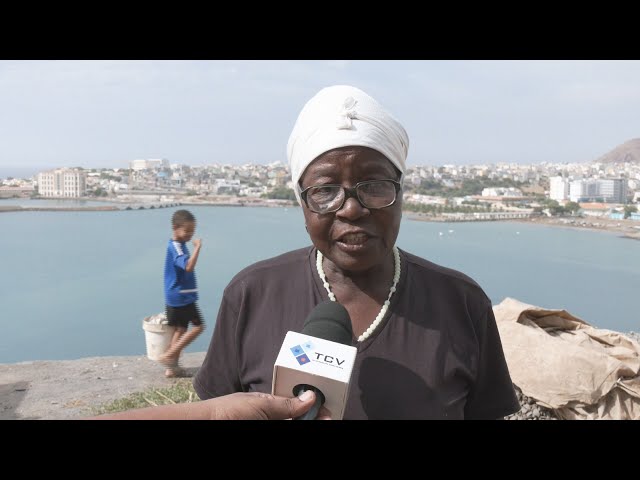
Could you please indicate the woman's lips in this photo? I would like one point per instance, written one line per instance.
(354, 238)
(354, 242)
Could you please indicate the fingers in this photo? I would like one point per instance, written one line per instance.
(280, 408)
(297, 406)
(302, 404)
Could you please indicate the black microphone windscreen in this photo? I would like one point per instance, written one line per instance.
(329, 321)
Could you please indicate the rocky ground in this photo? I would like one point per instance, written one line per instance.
(68, 389)
(529, 410)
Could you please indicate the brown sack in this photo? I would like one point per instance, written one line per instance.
(561, 361)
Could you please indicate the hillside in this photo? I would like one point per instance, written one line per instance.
(627, 152)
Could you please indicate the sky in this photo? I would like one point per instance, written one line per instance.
(103, 113)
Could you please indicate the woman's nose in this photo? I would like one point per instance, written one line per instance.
(352, 209)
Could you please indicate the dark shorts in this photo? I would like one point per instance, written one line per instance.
(181, 316)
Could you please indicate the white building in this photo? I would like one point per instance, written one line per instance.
(225, 186)
(150, 163)
(423, 199)
(501, 192)
(63, 182)
(413, 178)
(558, 188)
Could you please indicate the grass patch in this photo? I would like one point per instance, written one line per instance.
(180, 392)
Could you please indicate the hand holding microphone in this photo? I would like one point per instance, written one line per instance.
(320, 359)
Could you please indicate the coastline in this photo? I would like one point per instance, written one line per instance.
(121, 204)
(14, 208)
(627, 228)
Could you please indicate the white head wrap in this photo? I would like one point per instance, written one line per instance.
(343, 116)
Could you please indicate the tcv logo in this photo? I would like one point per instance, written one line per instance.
(321, 357)
(302, 353)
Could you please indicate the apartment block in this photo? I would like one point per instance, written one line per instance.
(558, 188)
(62, 183)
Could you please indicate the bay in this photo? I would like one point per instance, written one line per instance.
(78, 284)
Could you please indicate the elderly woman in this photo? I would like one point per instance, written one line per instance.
(427, 342)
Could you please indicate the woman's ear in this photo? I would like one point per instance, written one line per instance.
(306, 228)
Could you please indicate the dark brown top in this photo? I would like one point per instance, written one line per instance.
(436, 355)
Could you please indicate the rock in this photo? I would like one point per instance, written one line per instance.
(530, 410)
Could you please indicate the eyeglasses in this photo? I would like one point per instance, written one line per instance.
(372, 194)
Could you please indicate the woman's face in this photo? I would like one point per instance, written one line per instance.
(354, 238)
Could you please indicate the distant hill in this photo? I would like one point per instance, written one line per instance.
(627, 152)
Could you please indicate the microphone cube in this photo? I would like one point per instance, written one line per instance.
(317, 362)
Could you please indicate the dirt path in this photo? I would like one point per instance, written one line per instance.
(69, 388)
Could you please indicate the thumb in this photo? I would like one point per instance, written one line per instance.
(291, 407)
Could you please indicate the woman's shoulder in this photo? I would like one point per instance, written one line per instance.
(287, 264)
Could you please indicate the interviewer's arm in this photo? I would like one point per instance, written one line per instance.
(236, 406)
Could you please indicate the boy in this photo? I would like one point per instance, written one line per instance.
(180, 291)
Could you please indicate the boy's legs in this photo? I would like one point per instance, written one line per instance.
(172, 364)
(184, 339)
(180, 317)
(178, 332)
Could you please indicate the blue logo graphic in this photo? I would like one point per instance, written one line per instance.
(302, 359)
(299, 353)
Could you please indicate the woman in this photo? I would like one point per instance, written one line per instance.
(427, 341)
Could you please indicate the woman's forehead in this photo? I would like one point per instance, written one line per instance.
(357, 158)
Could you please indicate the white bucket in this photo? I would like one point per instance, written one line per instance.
(158, 337)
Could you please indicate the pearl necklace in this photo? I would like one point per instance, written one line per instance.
(385, 307)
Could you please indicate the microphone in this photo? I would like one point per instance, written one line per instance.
(330, 321)
(320, 358)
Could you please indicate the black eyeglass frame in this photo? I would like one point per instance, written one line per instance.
(352, 192)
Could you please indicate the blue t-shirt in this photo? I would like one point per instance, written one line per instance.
(179, 285)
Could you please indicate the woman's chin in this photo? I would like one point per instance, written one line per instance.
(355, 258)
